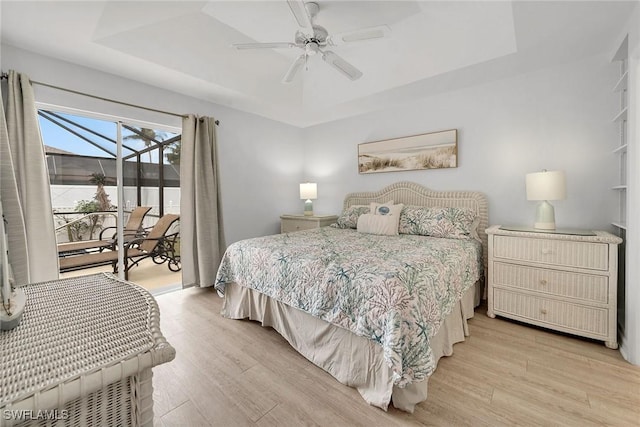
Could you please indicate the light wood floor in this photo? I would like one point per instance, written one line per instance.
(151, 276)
(237, 373)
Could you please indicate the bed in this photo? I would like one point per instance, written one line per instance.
(375, 311)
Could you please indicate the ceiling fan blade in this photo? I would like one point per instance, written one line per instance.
(241, 46)
(301, 14)
(341, 65)
(378, 32)
(293, 69)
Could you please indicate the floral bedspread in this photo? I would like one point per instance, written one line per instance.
(395, 290)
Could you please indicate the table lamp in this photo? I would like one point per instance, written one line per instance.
(308, 192)
(545, 186)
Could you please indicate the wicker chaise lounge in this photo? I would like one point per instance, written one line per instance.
(157, 245)
(132, 229)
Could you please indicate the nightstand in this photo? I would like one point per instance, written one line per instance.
(290, 223)
(561, 281)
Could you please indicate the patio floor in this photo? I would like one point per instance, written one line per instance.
(155, 278)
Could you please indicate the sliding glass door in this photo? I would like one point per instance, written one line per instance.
(102, 171)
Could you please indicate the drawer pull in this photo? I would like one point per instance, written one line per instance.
(543, 282)
(543, 311)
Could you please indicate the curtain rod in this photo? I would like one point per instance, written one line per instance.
(4, 76)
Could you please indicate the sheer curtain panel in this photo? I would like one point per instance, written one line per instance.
(202, 241)
(24, 186)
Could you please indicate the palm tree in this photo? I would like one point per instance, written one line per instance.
(99, 179)
(147, 136)
(173, 156)
(100, 202)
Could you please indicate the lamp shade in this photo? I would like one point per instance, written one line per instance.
(308, 191)
(546, 185)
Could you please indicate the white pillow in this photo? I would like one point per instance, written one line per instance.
(383, 208)
(378, 224)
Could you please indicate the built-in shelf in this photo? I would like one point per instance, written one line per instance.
(622, 148)
(623, 51)
(621, 89)
(622, 115)
(622, 83)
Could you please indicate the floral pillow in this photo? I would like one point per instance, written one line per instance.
(452, 223)
(349, 217)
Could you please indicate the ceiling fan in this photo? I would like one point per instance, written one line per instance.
(314, 39)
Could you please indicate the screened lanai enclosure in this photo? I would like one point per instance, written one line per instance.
(78, 147)
(83, 159)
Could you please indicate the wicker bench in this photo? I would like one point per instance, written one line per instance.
(82, 355)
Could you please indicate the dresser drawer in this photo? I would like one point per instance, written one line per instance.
(587, 287)
(557, 314)
(565, 253)
(290, 225)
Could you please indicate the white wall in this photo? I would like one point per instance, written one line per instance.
(260, 159)
(556, 118)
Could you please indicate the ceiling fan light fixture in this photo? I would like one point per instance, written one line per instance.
(311, 48)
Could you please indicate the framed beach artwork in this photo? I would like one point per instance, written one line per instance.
(434, 150)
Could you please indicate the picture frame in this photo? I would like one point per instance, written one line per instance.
(434, 150)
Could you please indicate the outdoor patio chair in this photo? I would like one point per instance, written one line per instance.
(132, 229)
(157, 245)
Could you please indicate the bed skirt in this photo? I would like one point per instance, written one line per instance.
(353, 360)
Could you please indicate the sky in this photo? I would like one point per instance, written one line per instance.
(57, 137)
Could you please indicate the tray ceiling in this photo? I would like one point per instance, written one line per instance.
(433, 47)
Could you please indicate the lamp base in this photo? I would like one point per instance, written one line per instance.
(12, 315)
(308, 208)
(544, 225)
(545, 217)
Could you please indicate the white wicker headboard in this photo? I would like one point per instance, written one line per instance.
(410, 193)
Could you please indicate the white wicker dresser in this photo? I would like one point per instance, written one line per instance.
(82, 355)
(563, 282)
